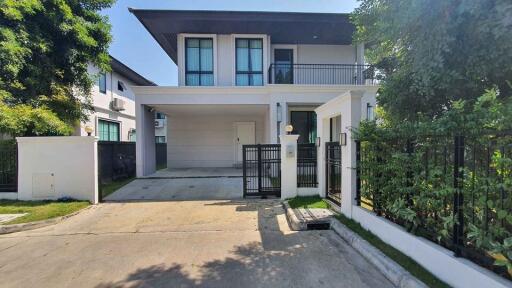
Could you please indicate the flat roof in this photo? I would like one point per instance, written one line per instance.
(283, 27)
(128, 73)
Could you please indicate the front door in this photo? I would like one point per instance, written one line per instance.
(245, 134)
(283, 61)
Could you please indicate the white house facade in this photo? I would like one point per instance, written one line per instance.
(114, 103)
(244, 76)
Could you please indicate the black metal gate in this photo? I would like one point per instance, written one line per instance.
(8, 168)
(306, 165)
(262, 170)
(333, 171)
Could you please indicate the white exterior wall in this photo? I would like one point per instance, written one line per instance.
(326, 54)
(207, 141)
(102, 105)
(56, 167)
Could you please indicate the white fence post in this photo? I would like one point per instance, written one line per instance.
(288, 166)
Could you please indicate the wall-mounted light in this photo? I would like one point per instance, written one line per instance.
(88, 129)
(343, 139)
(288, 129)
(318, 142)
(279, 112)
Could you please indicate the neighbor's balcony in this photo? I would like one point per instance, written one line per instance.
(321, 74)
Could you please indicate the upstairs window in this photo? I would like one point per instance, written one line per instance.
(102, 83)
(249, 62)
(120, 86)
(159, 115)
(199, 61)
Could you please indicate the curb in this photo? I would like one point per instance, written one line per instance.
(294, 222)
(389, 268)
(7, 229)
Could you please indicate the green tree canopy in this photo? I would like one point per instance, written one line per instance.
(45, 49)
(433, 53)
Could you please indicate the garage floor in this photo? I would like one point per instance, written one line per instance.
(184, 184)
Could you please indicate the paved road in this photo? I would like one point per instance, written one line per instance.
(181, 244)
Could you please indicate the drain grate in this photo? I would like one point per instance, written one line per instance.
(318, 226)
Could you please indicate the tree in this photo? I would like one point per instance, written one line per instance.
(45, 49)
(433, 53)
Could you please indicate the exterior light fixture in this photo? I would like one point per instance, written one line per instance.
(279, 112)
(288, 129)
(88, 129)
(343, 139)
(318, 142)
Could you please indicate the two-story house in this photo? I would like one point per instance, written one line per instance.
(114, 103)
(244, 76)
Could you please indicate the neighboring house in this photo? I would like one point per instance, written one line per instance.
(242, 77)
(114, 103)
(160, 128)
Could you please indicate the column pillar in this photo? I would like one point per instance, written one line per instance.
(350, 118)
(288, 166)
(145, 140)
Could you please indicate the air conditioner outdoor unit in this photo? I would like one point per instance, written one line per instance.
(159, 123)
(118, 104)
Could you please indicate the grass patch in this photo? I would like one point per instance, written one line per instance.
(308, 202)
(161, 166)
(403, 260)
(39, 210)
(107, 189)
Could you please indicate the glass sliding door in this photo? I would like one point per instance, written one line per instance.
(199, 61)
(249, 62)
(283, 63)
(304, 124)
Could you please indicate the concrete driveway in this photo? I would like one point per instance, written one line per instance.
(181, 244)
(184, 184)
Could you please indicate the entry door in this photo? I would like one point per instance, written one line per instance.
(283, 59)
(245, 134)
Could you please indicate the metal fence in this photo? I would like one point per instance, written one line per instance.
(262, 170)
(321, 74)
(333, 171)
(161, 155)
(446, 189)
(8, 168)
(307, 165)
(116, 161)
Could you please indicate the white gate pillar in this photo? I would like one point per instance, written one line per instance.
(348, 105)
(288, 166)
(350, 119)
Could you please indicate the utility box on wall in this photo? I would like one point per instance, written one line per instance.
(50, 168)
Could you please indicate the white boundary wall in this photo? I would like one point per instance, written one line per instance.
(457, 272)
(55, 167)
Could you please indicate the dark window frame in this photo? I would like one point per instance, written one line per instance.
(110, 122)
(249, 63)
(278, 67)
(310, 126)
(102, 88)
(160, 137)
(199, 72)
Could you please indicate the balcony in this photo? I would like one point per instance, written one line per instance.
(321, 74)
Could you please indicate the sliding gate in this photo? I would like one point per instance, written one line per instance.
(333, 171)
(262, 170)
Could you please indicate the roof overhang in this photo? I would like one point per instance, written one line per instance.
(283, 27)
(128, 73)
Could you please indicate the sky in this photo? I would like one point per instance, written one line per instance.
(134, 46)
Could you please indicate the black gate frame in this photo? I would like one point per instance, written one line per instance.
(261, 170)
(333, 172)
(9, 168)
